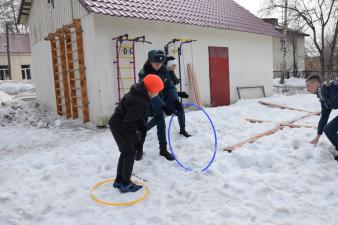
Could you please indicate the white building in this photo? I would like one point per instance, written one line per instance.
(233, 48)
(295, 50)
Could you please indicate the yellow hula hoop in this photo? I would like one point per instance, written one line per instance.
(145, 195)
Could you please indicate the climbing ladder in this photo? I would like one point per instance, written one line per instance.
(69, 71)
(126, 62)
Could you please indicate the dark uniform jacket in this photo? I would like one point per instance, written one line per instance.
(169, 92)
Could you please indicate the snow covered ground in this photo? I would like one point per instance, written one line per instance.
(48, 166)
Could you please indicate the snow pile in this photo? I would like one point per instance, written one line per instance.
(292, 82)
(4, 97)
(46, 174)
(34, 114)
(16, 87)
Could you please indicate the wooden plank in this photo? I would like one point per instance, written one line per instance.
(269, 132)
(194, 84)
(281, 124)
(55, 71)
(253, 139)
(64, 74)
(273, 105)
(71, 75)
(82, 71)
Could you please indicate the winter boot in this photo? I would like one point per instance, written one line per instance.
(185, 133)
(336, 157)
(130, 187)
(164, 152)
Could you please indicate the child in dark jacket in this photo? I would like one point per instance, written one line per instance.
(173, 100)
(129, 119)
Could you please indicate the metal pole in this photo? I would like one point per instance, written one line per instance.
(8, 52)
(284, 42)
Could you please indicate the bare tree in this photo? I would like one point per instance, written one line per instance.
(9, 10)
(317, 16)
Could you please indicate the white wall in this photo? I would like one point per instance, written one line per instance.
(44, 19)
(250, 55)
(42, 70)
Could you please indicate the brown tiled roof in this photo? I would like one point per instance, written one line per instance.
(18, 43)
(221, 14)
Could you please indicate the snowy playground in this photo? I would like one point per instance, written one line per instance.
(49, 164)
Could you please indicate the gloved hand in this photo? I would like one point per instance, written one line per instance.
(178, 105)
(168, 110)
(183, 94)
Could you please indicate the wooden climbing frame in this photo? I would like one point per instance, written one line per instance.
(69, 71)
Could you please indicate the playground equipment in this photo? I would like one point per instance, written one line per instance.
(125, 61)
(180, 42)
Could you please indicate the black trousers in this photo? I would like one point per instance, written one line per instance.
(127, 156)
(331, 130)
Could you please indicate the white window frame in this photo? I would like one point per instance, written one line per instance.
(24, 73)
(4, 72)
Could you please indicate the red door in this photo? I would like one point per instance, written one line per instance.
(219, 76)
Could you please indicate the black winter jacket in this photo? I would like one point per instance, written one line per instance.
(328, 96)
(131, 115)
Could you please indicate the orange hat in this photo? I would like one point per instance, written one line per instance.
(153, 83)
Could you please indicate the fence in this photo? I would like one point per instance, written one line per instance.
(304, 74)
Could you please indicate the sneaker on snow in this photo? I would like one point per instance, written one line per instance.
(117, 184)
(131, 187)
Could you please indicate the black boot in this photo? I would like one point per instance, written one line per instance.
(164, 152)
(185, 133)
(336, 157)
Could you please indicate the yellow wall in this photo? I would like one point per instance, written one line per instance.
(16, 61)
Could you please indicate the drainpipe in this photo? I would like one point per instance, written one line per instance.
(8, 51)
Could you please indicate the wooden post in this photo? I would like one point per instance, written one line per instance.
(69, 47)
(56, 74)
(82, 70)
(60, 35)
(194, 84)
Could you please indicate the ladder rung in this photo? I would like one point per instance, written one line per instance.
(126, 46)
(124, 88)
(70, 43)
(126, 78)
(126, 57)
(83, 68)
(126, 68)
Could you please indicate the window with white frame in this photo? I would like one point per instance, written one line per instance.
(4, 72)
(26, 72)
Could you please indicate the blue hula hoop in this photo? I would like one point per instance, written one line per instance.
(215, 136)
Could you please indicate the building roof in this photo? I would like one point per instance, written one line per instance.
(25, 8)
(279, 27)
(18, 43)
(221, 14)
